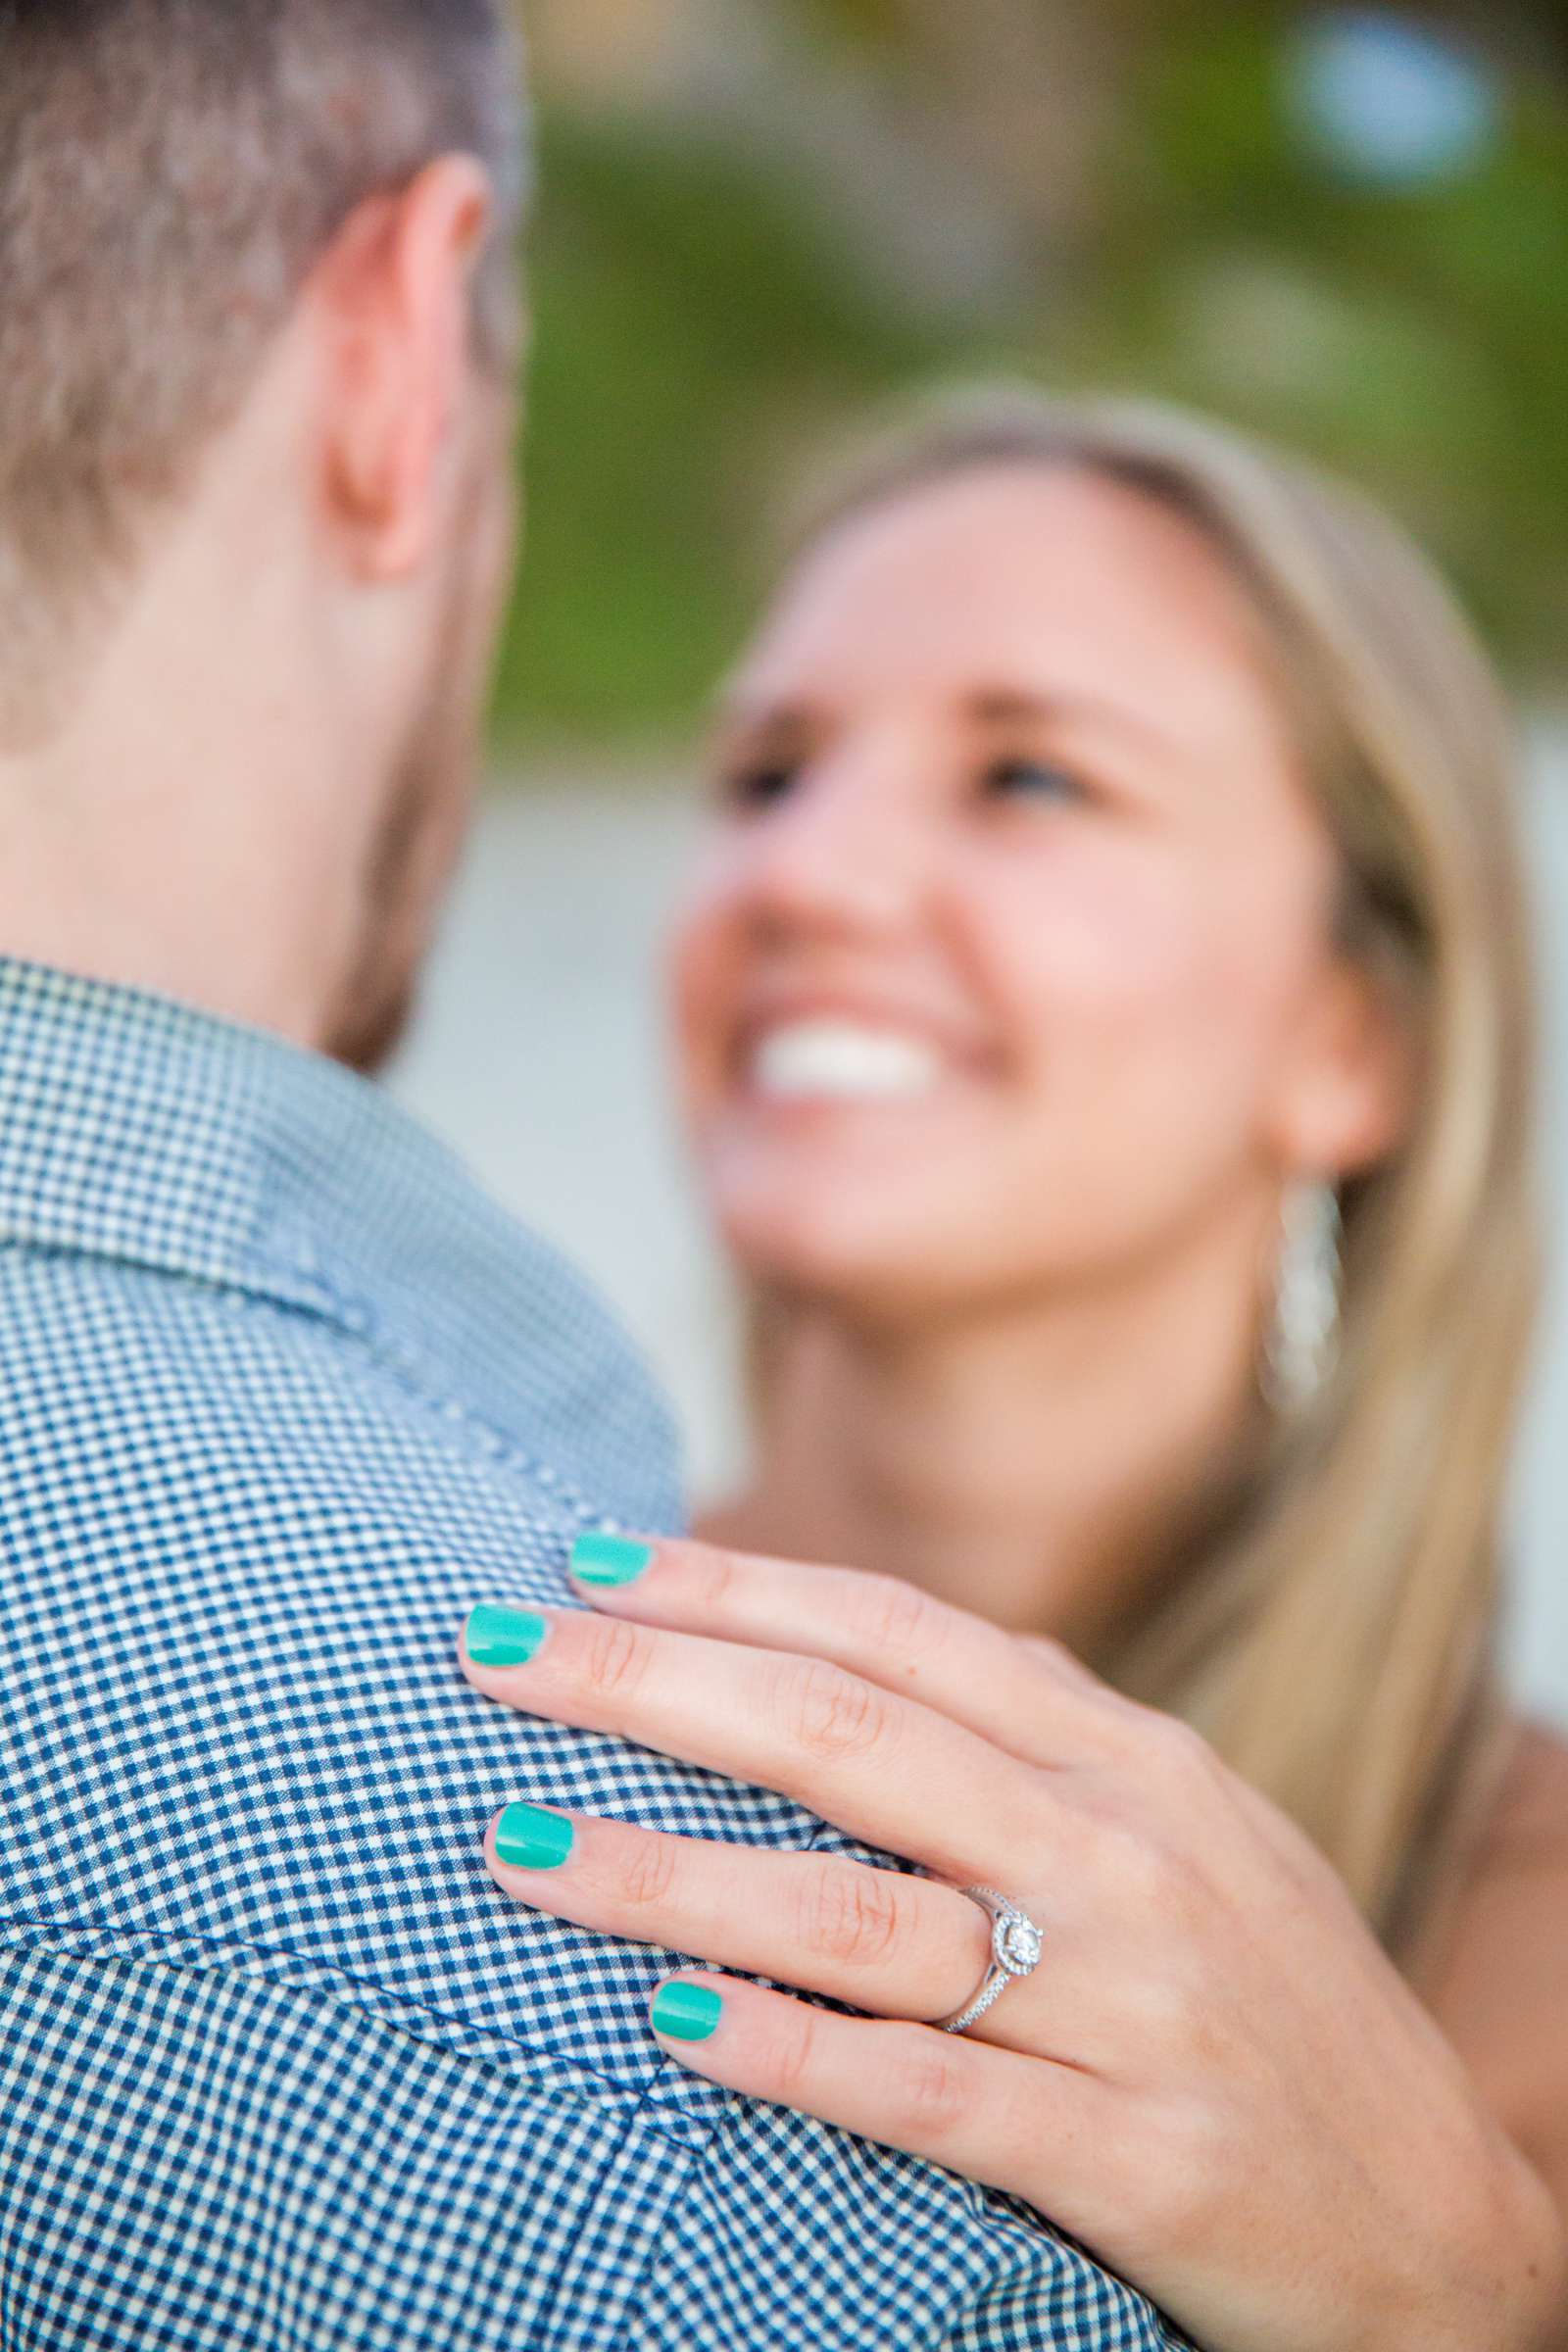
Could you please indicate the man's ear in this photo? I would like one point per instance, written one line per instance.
(1348, 1097)
(394, 299)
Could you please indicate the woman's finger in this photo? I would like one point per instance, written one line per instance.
(889, 1770)
(901, 1947)
(1025, 1692)
(1021, 2125)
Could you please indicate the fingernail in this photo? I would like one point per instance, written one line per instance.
(610, 1559)
(503, 1637)
(527, 1837)
(687, 2012)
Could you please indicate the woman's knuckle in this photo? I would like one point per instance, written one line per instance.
(1048, 1651)
(1138, 1860)
(1174, 1883)
(1172, 2007)
(616, 1657)
(1184, 1753)
(714, 1573)
(794, 2054)
(928, 2090)
(1162, 1760)
(1186, 2185)
(1148, 2009)
(853, 1914)
(830, 1713)
(650, 1872)
(896, 1616)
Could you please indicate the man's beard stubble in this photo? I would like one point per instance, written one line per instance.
(423, 825)
(402, 895)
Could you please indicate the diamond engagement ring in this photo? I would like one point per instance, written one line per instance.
(1015, 1947)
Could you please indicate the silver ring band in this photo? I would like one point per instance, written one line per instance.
(1015, 1947)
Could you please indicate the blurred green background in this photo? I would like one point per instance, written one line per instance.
(1347, 227)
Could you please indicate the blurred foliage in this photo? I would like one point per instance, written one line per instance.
(704, 315)
(1417, 338)
(689, 322)
(878, 23)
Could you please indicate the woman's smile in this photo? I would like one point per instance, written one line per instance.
(836, 1059)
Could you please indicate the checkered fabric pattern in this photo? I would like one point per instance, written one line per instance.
(280, 2067)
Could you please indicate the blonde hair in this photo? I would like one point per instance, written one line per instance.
(1329, 1617)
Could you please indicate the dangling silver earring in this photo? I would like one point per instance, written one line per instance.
(1302, 1342)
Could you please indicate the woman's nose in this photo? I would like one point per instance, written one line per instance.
(841, 854)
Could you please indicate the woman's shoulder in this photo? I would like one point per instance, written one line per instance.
(1509, 1904)
(1518, 1853)
(1498, 1992)
(1529, 1823)
(1499, 1989)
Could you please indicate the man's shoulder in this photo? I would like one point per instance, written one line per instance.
(239, 1551)
(211, 2161)
(241, 1883)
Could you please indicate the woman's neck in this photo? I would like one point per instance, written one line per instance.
(1022, 1462)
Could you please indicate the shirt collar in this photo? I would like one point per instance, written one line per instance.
(138, 1129)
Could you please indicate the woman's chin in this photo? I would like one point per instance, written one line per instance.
(857, 1205)
(831, 1246)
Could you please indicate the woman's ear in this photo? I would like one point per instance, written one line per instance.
(1346, 1102)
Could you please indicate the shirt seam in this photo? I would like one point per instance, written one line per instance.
(356, 1324)
(700, 2143)
(487, 2043)
(1000, 2227)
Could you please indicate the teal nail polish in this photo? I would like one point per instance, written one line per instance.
(527, 1837)
(503, 1637)
(687, 2012)
(610, 1559)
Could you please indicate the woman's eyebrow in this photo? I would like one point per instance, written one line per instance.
(1015, 705)
(740, 715)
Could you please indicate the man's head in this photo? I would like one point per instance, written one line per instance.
(258, 322)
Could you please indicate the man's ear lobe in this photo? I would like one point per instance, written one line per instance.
(394, 297)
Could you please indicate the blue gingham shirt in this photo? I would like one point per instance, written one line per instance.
(280, 2065)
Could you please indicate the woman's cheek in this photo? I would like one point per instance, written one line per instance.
(700, 985)
(1148, 1032)
(1094, 941)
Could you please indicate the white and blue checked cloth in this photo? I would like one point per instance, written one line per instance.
(280, 2068)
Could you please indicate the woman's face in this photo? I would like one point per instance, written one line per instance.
(1010, 960)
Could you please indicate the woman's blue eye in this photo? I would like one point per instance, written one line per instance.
(1034, 779)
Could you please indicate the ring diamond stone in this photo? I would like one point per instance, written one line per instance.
(1015, 1941)
(1017, 1944)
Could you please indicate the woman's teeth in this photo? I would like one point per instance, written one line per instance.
(841, 1061)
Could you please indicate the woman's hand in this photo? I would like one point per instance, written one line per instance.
(1214, 2077)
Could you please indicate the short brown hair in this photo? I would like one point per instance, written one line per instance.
(171, 170)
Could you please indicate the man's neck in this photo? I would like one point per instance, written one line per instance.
(199, 821)
(184, 829)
